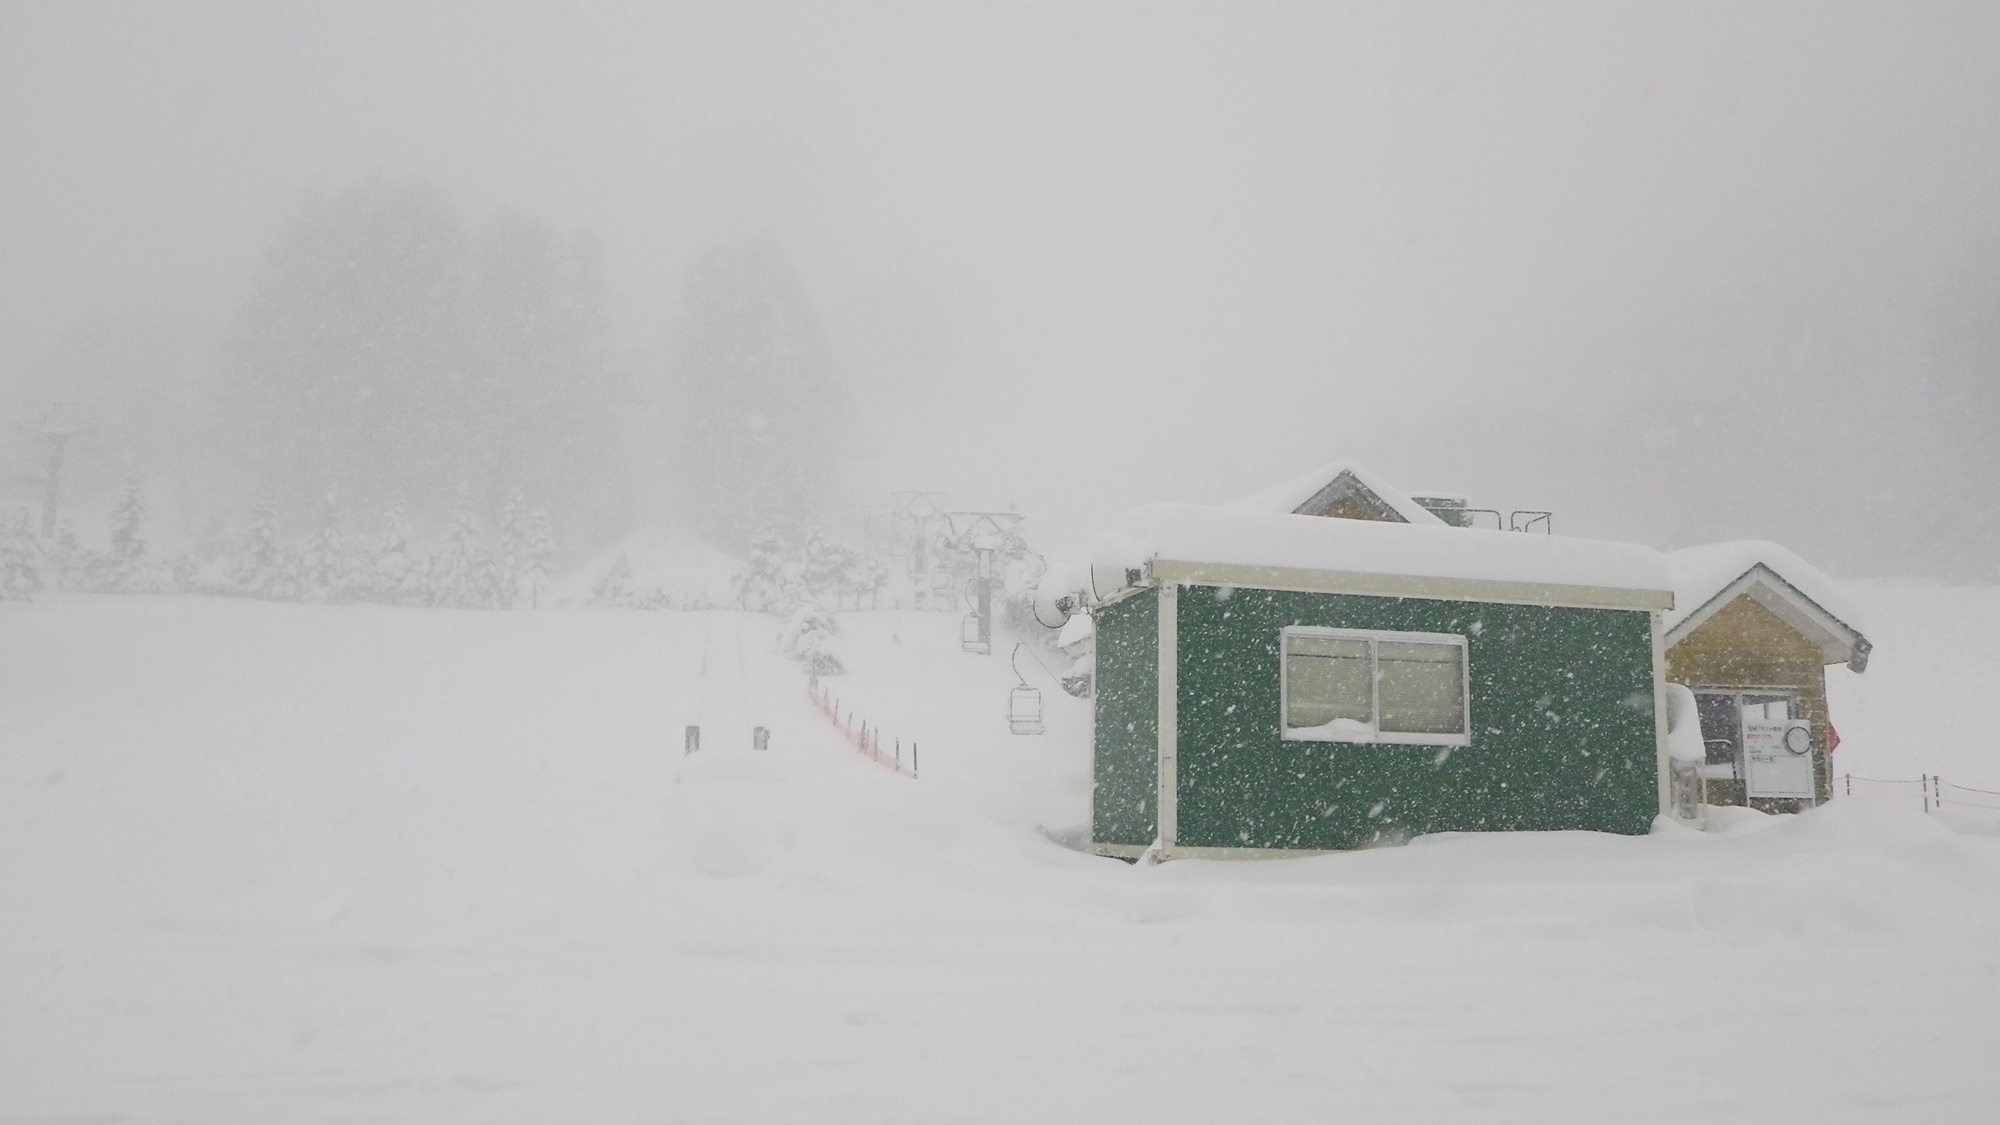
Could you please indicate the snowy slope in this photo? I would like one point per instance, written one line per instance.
(1926, 703)
(282, 863)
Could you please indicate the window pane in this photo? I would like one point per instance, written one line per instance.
(1422, 688)
(1767, 706)
(1721, 726)
(1326, 678)
(1306, 645)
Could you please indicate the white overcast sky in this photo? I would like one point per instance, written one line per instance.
(1116, 251)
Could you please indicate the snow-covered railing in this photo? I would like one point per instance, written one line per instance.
(1931, 791)
(866, 739)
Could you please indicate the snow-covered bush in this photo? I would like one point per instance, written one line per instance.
(807, 636)
(614, 586)
(616, 589)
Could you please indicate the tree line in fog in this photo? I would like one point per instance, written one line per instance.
(402, 367)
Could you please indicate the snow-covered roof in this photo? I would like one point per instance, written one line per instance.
(1710, 577)
(1295, 493)
(1243, 547)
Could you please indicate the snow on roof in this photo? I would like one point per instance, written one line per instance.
(1703, 575)
(1287, 497)
(1236, 546)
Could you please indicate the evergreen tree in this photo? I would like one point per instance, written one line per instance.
(807, 637)
(390, 571)
(261, 570)
(324, 571)
(462, 577)
(541, 556)
(511, 560)
(614, 586)
(386, 344)
(128, 522)
(761, 417)
(20, 561)
(760, 584)
(124, 569)
(70, 565)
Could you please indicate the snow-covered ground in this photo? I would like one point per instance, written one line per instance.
(1926, 703)
(280, 863)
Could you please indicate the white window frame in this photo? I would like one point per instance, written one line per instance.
(1372, 636)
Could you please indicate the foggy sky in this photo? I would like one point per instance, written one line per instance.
(1081, 257)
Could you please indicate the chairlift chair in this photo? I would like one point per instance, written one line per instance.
(1024, 703)
(970, 635)
(1024, 710)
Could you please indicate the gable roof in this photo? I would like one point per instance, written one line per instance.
(1710, 577)
(1311, 494)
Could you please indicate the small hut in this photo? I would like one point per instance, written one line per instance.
(1269, 680)
(1753, 629)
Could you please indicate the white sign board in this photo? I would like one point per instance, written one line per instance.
(1777, 758)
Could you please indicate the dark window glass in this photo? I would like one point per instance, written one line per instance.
(1721, 727)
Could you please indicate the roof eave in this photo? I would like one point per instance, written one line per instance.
(1408, 586)
(1837, 642)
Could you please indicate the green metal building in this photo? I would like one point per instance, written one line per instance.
(1273, 681)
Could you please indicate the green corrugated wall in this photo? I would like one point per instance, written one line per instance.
(1124, 758)
(1562, 721)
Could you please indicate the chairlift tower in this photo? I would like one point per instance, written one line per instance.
(58, 423)
(983, 539)
(914, 519)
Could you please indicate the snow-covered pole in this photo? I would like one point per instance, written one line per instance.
(1685, 754)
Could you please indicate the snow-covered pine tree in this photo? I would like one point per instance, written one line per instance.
(818, 565)
(71, 565)
(807, 637)
(261, 570)
(614, 586)
(463, 574)
(389, 576)
(20, 560)
(539, 565)
(124, 567)
(760, 584)
(511, 559)
(324, 572)
(866, 578)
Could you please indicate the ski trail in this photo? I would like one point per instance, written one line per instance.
(724, 712)
(733, 807)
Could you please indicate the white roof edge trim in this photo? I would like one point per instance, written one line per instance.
(1410, 586)
(1837, 641)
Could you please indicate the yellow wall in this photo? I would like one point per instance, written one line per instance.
(1744, 647)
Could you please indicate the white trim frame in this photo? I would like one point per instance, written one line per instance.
(1381, 737)
(1406, 586)
(1166, 801)
(1838, 643)
(1663, 762)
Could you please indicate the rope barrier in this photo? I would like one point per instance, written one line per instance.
(866, 740)
(1932, 790)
